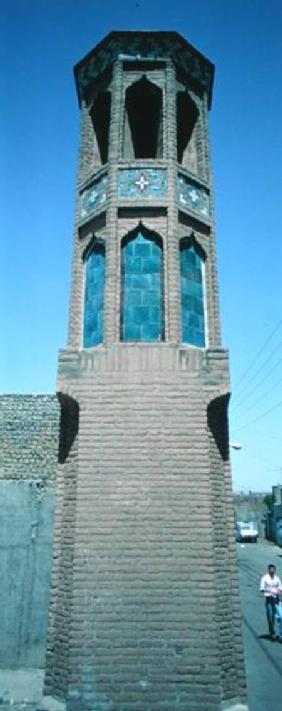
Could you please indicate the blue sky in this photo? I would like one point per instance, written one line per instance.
(41, 41)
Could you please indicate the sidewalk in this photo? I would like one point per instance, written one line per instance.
(21, 690)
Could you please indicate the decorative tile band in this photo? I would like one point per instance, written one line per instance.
(192, 196)
(142, 183)
(147, 45)
(94, 197)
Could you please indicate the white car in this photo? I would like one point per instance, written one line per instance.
(246, 531)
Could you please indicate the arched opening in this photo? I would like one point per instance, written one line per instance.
(94, 295)
(192, 294)
(100, 116)
(142, 287)
(143, 129)
(187, 116)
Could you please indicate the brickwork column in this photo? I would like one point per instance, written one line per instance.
(212, 292)
(172, 300)
(111, 314)
(85, 165)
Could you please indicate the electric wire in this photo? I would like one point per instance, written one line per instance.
(258, 400)
(260, 417)
(255, 388)
(260, 369)
(258, 354)
(267, 435)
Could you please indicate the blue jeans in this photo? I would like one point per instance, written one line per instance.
(273, 611)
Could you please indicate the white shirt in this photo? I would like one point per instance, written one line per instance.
(270, 586)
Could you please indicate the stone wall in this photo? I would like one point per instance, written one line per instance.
(29, 427)
(29, 432)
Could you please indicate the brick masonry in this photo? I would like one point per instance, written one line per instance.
(143, 534)
(29, 432)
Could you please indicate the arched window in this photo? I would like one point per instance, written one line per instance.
(142, 290)
(143, 131)
(100, 116)
(94, 295)
(187, 116)
(192, 295)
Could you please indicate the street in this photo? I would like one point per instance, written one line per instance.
(263, 657)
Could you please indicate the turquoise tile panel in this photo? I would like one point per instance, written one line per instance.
(94, 297)
(192, 297)
(93, 197)
(142, 183)
(142, 302)
(192, 196)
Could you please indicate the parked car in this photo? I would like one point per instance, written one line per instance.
(246, 531)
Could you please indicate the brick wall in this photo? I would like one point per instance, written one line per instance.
(29, 432)
(147, 554)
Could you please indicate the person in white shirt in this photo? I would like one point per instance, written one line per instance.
(271, 587)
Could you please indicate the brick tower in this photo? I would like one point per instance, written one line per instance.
(144, 606)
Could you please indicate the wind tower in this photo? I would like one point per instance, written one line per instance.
(144, 607)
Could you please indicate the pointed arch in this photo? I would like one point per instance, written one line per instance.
(187, 116)
(142, 314)
(143, 130)
(192, 292)
(100, 114)
(94, 266)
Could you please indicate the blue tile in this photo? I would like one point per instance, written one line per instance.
(131, 332)
(151, 265)
(151, 332)
(192, 297)
(151, 297)
(94, 297)
(156, 281)
(141, 281)
(155, 315)
(130, 248)
(135, 297)
(143, 250)
(133, 265)
(141, 289)
(193, 321)
(141, 314)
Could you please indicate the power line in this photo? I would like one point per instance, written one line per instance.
(248, 424)
(261, 397)
(264, 364)
(265, 435)
(260, 351)
(254, 389)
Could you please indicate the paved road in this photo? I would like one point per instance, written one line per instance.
(262, 656)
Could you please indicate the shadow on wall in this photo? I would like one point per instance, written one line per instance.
(69, 422)
(218, 424)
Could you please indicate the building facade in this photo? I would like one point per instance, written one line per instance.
(144, 606)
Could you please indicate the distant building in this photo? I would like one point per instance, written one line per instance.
(273, 523)
(251, 507)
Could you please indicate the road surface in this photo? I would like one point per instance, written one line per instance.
(263, 657)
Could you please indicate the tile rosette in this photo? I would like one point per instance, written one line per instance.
(192, 196)
(142, 183)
